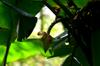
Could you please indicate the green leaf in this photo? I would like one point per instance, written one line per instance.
(2, 50)
(5, 20)
(51, 2)
(49, 53)
(22, 50)
(30, 6)
(8, 23)
(26, 26)
(62, 51)
(4, 35)
(81, 3)
(59, 47)
(9, 19)
(55, 6)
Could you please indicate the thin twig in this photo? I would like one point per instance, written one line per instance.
(52, 24)
(6, 54)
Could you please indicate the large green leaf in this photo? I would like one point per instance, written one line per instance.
(5, 21)
(81, 3)
(22, 50)
(8, 20)
(7, 16)
(2, 50)
(4, 35)
(30, 6)
(62, 51)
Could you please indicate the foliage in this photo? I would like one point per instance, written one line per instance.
(81, 31)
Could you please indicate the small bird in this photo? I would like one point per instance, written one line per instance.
(46, 39)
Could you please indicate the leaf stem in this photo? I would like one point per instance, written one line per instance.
(52, 24)
(6, 54)
(7, 49)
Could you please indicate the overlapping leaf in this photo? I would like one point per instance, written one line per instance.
(21, 50)
(9, 20)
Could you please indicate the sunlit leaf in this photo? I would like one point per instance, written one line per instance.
(2, 50)
(22, 50)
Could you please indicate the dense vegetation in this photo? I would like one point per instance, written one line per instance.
(80, 19)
